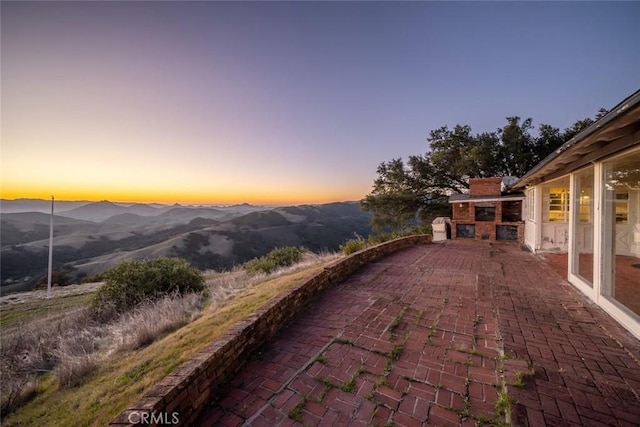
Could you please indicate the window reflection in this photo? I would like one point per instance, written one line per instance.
(621, 244)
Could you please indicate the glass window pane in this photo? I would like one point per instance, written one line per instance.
(621, 231)
(558, 204)
(583, 226)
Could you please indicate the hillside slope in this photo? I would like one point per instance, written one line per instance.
(208, 238)
(221, 246)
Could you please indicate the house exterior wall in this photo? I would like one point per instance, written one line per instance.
(605, 239)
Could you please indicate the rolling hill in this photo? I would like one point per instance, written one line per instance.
(210, 238)
(99, 211)
(37, 205)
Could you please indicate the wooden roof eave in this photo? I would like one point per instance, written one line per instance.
(614, 132)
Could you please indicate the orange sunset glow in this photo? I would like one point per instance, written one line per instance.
(274, 103)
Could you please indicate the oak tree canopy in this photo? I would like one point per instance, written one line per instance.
(404, 193)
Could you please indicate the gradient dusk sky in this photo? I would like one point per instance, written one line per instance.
(283, 103)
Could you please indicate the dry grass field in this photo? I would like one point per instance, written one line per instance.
(67, 370)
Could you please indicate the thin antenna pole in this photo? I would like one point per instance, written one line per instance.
(50, 251)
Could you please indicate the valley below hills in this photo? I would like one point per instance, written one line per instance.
(91, 237)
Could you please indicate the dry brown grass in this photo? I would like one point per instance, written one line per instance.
(224, 286)
(143, 325)
(74, 346)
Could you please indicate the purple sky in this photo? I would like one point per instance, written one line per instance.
(216, 102)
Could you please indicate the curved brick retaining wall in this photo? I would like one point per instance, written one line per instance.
(179, 398)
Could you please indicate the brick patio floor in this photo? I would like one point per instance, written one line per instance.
(440, 335)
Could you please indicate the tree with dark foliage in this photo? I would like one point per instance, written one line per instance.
(403, 193)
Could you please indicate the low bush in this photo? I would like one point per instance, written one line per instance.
(357, 244)
(132, 283)
(277, 258)
(353, 245)
(58, 277)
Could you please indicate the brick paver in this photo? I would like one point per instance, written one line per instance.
(443, 334)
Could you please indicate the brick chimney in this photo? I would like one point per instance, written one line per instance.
(485, 186)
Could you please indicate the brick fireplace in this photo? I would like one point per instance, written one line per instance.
(485, 213)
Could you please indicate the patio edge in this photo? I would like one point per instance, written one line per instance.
(180, 397)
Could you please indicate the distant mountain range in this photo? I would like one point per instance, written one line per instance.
(38, 205)
(91, 237)
(84, 209)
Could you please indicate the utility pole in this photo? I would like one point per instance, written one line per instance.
(50, 251)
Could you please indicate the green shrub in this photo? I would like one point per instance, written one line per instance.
(357, 244)
(353, 245)
(279, 257)
(132, 283)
